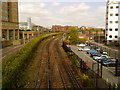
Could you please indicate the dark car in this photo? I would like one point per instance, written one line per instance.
(112, 64)
(103, 59)
(94, 54)
(103, 52)
(105, 63)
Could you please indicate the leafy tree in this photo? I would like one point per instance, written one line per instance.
(83, 40)
(72, 35)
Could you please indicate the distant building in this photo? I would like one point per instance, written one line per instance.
(29, 23)
(62, 28)
(38, 28)
(26, 25)
(112, 23)
(26, 30)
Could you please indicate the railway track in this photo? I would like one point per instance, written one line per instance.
(62, 78)
(52, 56)
(67, 67)
(37, 82)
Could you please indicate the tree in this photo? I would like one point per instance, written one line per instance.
(72, 35)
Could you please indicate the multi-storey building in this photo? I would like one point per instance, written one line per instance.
(112, 21)
(10, 25)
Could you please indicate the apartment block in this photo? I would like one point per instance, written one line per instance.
(112, 21)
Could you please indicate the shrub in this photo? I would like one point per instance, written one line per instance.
(14, 66)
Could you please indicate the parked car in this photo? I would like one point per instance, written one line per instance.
(96, 48)
(84, 49)
(92, 51)
(94, 54)
(99, 57)
(103, 59)
(111, 64)
(103, 52)
(106, 62)
(81, 45)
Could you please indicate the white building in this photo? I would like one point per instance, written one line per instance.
(112, 21)
(26, 25)
(29, 23)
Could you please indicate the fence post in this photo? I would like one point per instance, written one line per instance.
(101, 69)
(116, 68)
(109, 86)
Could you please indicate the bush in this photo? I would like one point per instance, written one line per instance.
(14, 66)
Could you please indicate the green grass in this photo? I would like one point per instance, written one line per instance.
(14, 66)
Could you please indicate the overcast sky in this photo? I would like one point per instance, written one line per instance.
(50, 13)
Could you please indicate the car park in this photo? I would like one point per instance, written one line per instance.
(92, 51)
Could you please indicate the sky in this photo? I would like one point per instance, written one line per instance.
(55, 12)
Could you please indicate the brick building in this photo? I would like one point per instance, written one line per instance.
(61, 28)
(10, 25)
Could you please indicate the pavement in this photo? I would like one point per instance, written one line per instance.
(107, 72)
(5, 52)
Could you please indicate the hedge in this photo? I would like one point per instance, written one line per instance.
(14, 66)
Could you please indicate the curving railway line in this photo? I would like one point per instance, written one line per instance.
(52, 70)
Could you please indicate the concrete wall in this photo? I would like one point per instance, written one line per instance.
(16, 42)
(7, 43)
(10, 43)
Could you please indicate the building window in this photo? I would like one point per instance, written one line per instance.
(110, 41)
(111, 14)
(110, 21)
(111, 7)
(116, 21)
(116, 36)
(116, 14)
(106, 34)
(110, 36)
(116, 29)
(106, 29)
(117, 6)
(110, 29)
